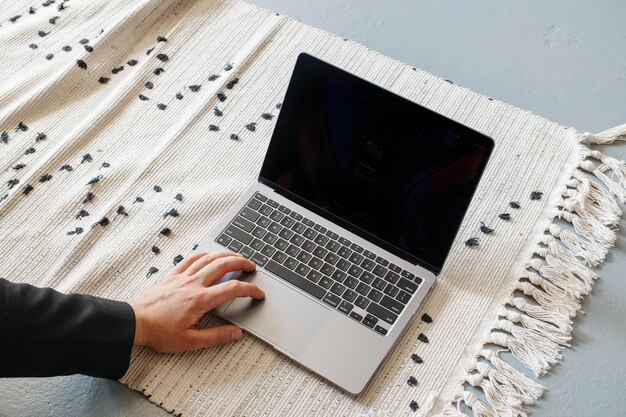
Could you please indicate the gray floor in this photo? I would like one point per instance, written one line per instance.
(563, 60)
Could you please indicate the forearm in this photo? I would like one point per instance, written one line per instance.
(46, 333)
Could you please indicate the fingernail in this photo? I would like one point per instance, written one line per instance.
(236, 334)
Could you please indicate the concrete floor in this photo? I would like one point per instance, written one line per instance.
(562, 60)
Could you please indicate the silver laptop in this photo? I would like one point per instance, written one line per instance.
(357, 204)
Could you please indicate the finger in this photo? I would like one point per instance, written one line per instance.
(207, 259)
(215, 270)
(226, 291)
(185, 263)
(204, 338)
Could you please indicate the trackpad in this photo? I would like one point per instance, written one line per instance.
(284, 318)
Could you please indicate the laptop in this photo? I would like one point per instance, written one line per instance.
(358, 202)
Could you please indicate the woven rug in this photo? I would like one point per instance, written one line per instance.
(113, 113)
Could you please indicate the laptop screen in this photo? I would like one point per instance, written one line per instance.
(379, 165)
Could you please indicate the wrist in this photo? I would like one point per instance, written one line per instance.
(139, 339)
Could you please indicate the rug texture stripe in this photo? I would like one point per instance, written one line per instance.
(114, 112)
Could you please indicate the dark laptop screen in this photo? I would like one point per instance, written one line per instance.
(379, 165)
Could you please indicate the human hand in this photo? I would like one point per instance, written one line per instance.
(167, 313)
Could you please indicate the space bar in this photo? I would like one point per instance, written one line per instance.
(295, 279)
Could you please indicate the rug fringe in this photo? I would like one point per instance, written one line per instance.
(536, 327)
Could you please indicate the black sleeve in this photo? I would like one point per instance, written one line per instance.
(46, 333)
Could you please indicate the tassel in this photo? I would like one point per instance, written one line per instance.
(605, 137)
(528, 389)
(478, 407)
(590, 228)
(591, 252)
(570, 268)
(528, 354)
(608, 164)
(548, 301)
(549, 315)
(559, 275)
(553, 333)
(616, 189)
(504, 401)
(530, 341)
(595, 194)
(576, 203)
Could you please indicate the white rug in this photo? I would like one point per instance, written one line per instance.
(100, 143)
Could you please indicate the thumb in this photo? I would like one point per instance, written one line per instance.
(204, 338)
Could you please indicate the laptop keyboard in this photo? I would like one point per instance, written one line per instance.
(329, 267)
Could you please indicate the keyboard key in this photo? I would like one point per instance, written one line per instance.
(250, 214)
(380, 330)
(367, 277)
(392, 277)
(339, 276)
(356, 248)
(291, 263)
(362, 302)
(308, 246)
(263, 221)
(288, 222)
(331, 258)
(224, 240)
(296, 240)
(368, 323)
(327, 269)
(326, 282)
(407, 285)
(332, 246)
(382, 313)
(260, 197)
(244, 224)
(351, 282)
(265, 210)
(274, 227)
(320, 228)
(375, 295)
(246, 251)
(238, 234)
(392, 304)
(379, 284)
(337, 288)
(368, 265)
(272, 203)
(369, 255)
(259, 232)
(345, 307)
(355, 271)
(235, 246)
(314, 276)
(350, 295)
(302, 269)
(316, 263)
(284, 209)
(254, 204)
(270, 238)
(321, 239)
(298, 227)
(395, 268)
(417, 280)
(344, 241)
(382, 261)
(356, 258)
(268, 250)
(391, 290)
(285, 233)
(310, 233)
(356, 316)
(257, 244)
(406, 274)
(296, 215)
(320, 252)
(277, 215)
(403, 297)
(279, 257)
(332, 300)
(281, 244)
(308, 222)
(295, 279)
(344, 252)
(343, 265)
(380, 270)
(293, 250)
(259, 259)
(332, 235)
(362, 288)
(304, 256)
